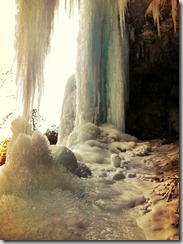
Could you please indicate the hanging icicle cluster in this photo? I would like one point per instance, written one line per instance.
(102, 62)
(34, 25)
(155, 6)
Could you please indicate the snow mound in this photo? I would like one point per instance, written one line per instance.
(38, 199)
(29, 168)
(19, 125)
(114, 134)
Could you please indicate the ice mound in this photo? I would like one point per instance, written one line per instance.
(84, 132)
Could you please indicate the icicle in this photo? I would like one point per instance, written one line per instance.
(34, 25)
(122, 4)
(174, 13)
(154, 8)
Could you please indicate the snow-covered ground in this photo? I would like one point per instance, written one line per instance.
(137, 200)
(39, 201)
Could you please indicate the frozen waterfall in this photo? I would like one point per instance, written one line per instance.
(102, 57)
(102, 89)
(34, 26)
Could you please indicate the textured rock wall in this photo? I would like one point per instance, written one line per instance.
(153, 110)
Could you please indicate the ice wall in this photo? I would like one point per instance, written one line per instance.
(102, 63)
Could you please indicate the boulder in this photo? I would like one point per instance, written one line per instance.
(119, 176)
(131, 175)
(64, 156)
(82, 171)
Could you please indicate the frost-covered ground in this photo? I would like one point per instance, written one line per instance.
(129, 201)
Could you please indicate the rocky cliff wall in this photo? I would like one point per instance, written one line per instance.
(153, 110)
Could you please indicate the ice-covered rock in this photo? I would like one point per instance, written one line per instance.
(122, 163)
(64, 156)
(115, 160)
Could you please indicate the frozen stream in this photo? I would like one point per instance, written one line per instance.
(98, 210)
(48, 203)
(111, 219)
(41, 200)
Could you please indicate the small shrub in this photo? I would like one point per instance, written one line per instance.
(52, 134)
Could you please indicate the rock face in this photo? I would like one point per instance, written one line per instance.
(153, 110)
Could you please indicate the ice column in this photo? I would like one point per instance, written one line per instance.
(102, 64)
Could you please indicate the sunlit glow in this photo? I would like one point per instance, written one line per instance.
(7, 20)
(60, 64)
(8, 103)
